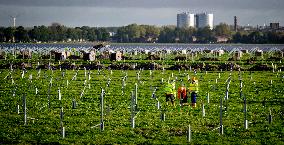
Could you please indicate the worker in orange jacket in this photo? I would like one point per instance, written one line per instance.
(182, 95)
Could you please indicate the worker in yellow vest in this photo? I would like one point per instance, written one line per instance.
(170, 93)
(193, 89)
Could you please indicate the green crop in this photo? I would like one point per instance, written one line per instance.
(43, 124)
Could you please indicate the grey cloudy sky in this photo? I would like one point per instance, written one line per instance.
(123, 12)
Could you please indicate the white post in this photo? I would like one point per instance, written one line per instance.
(221, 121)
(102, 110)
(219, 76)
(203, 110)
(188, 77)
(245, 112)
(270, 117)
(50, 82)
(85, 72)
(59, 94)
(136, 95)
(30, 77)
(132, 110)
(18, 109)
(63, 132)
(23, 73)
(227, 94)
(208, 98)
(61, 117)
(85, 82)
(221, 129)
(246, 124)
(36, 91)
(163, 116)
(25, 109)
(189, 134)
(138, 76)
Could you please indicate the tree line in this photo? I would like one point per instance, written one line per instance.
(137, 33)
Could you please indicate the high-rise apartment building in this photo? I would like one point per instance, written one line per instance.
(185, 20)
(201, 20)
(204, 20)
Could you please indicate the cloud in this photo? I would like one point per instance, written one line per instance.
(190, 4)
(123, 12)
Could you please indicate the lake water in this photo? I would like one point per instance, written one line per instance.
(144, 46)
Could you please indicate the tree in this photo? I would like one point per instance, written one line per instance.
(102, 34)
(85, 32)
(130, 33)
(237, 38)
(151, 32)
(58, 32)
(205, 35)
(134, 32)
(167, 34)
(9, 34)
(91, 34)
(121, 35)
(222, 30)
(44, 34)
(255, 37)
(2, 35)
(185, 34)
(21, 35)
(273, 37)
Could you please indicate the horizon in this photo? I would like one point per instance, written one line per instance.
(117, 13)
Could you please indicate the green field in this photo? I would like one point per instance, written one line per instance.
(43, 123)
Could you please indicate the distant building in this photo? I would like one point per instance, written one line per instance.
(185, 20)
(111, 34)
(274, 25)
(222, 39)
(204, 20)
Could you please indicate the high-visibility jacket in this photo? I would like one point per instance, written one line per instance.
(169, 89)
(181, 92)
(193, 87)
